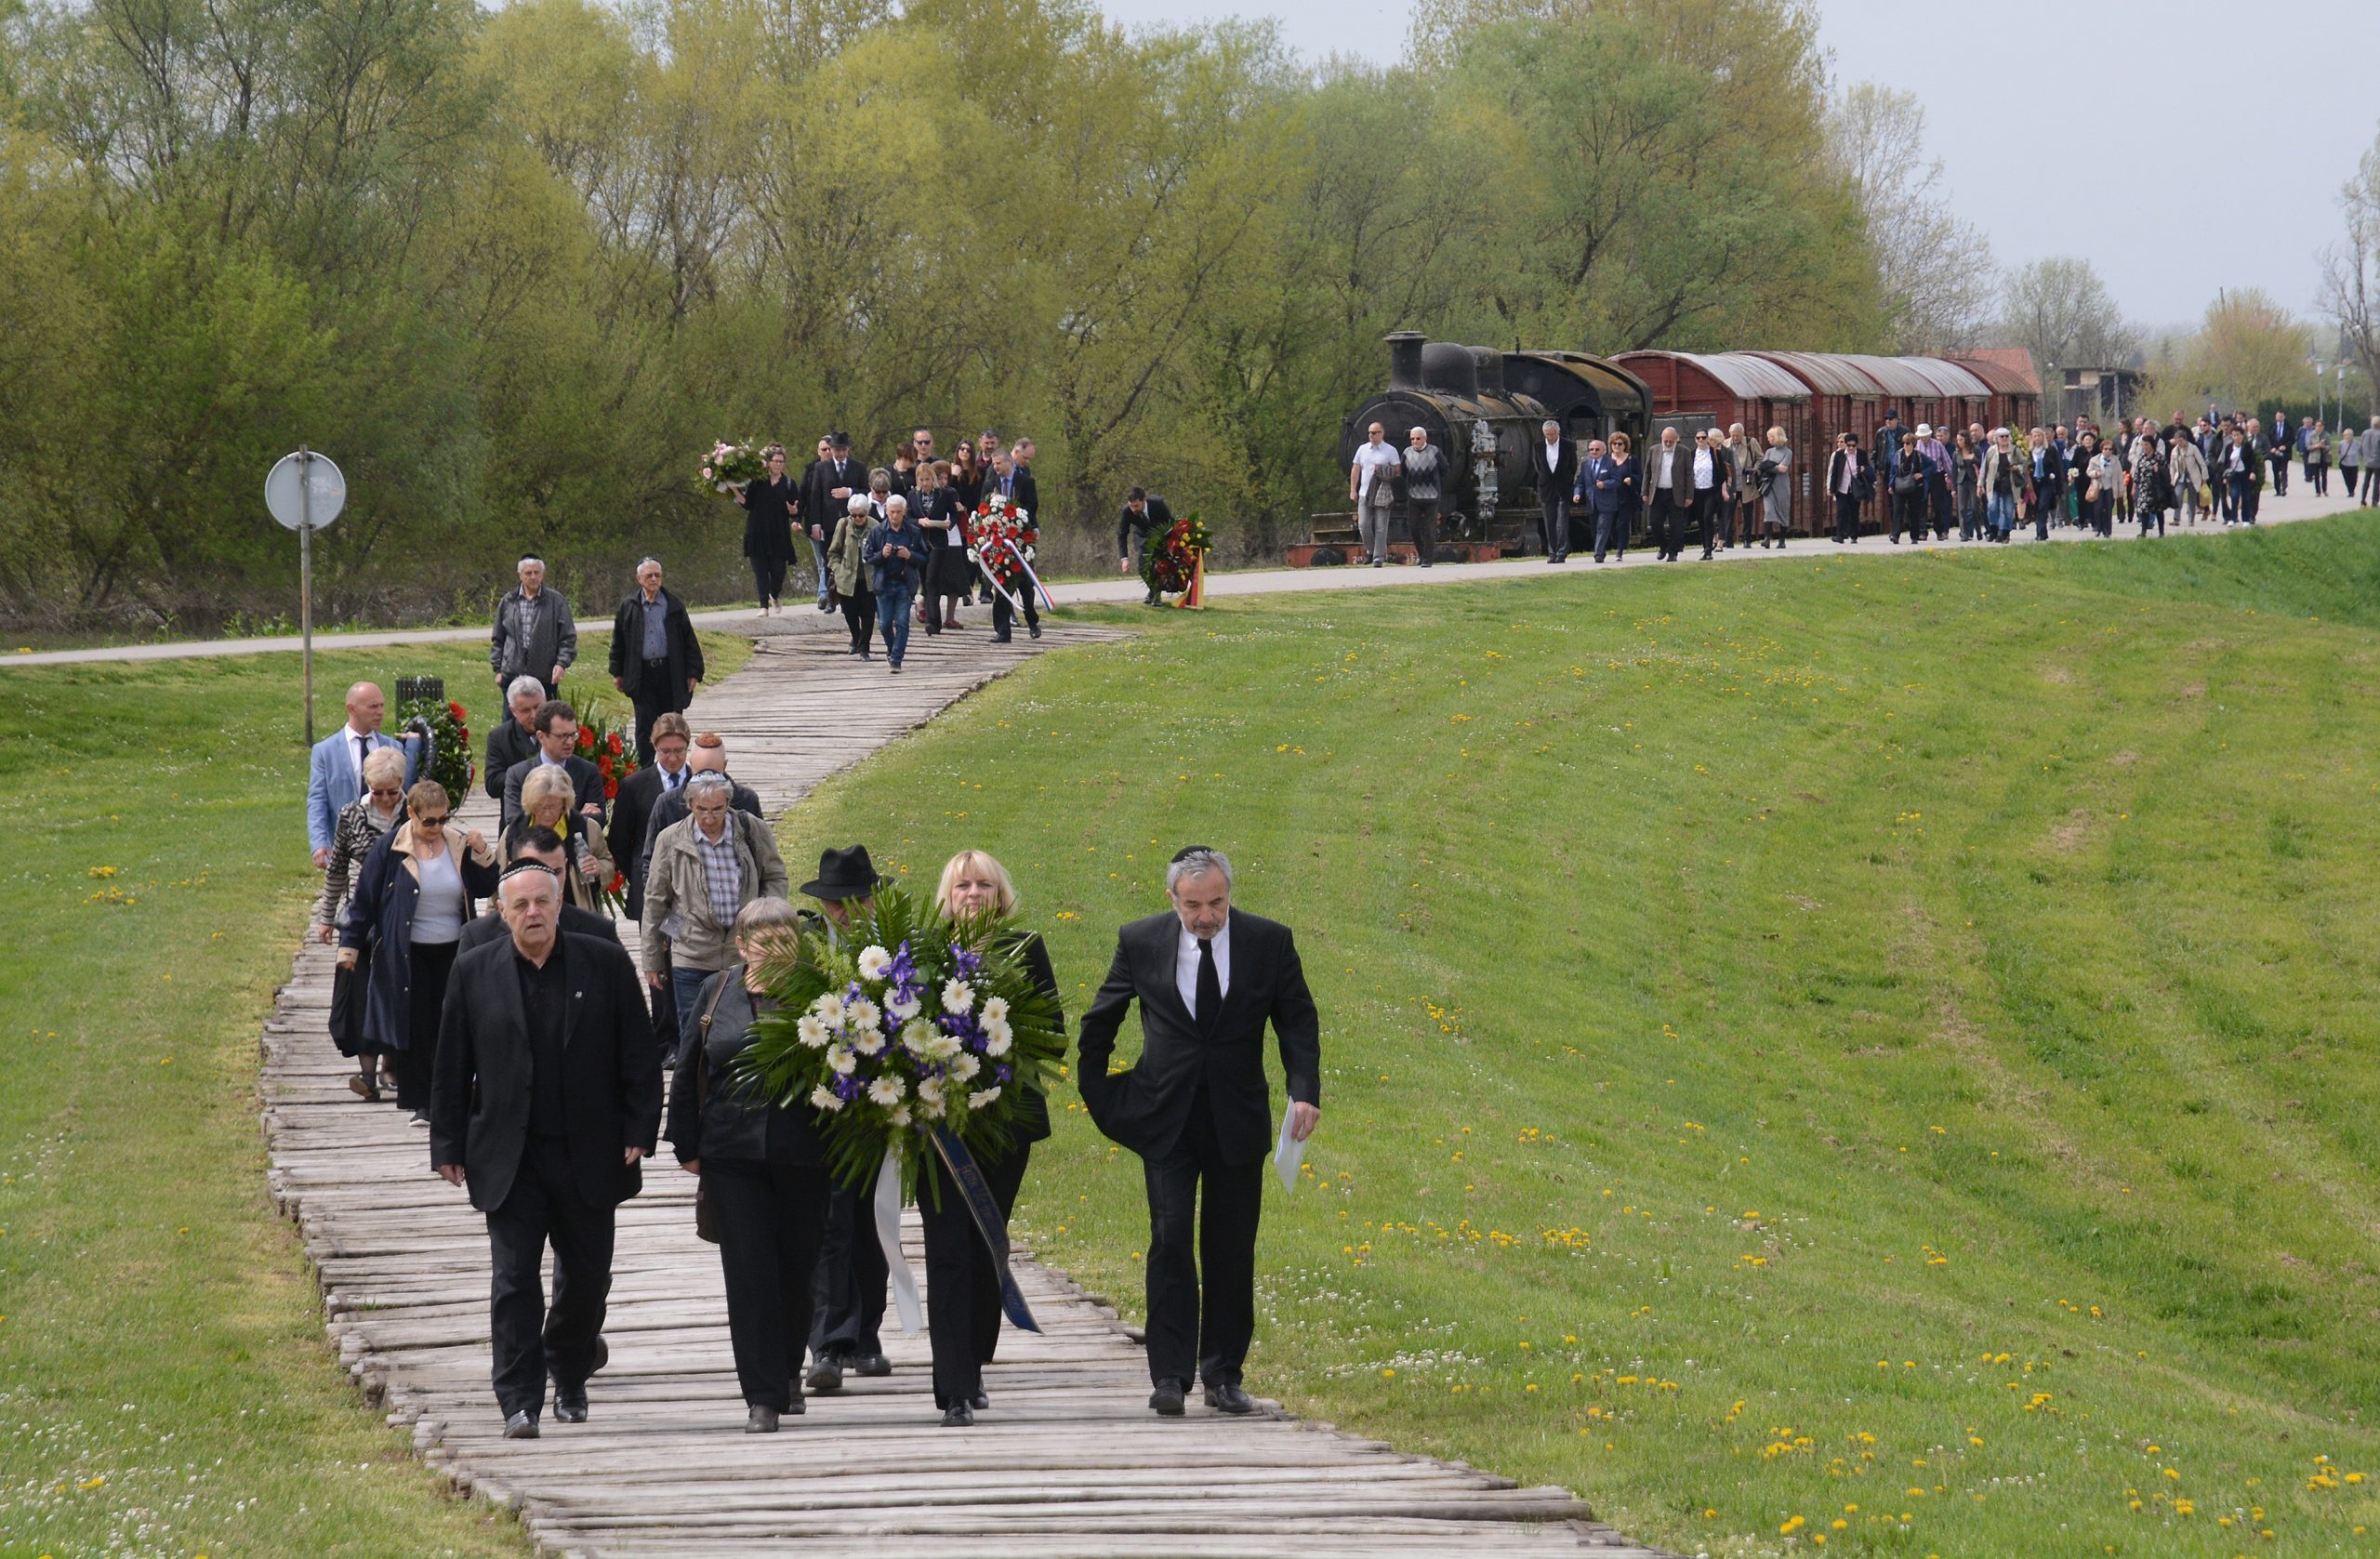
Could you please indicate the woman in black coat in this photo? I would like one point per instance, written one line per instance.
(769, 506)
(962, 1283)
(763, 1171)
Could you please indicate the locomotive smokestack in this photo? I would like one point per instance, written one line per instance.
(1405, 359)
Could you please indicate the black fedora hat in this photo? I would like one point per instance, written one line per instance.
(844, 874)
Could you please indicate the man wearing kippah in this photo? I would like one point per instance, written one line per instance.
(1198, 1111)
(547, 1094)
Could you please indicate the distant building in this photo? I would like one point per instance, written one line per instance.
(2100, 393)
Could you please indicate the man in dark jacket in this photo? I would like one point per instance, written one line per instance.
(1554, 461)
(1196, 1108)
(1144, 518)
(556, 724)
(825, 487)
(656, 660)
(1009, 480)
(545, 847)
(515, 740)
(534, 633)
(548, 1095)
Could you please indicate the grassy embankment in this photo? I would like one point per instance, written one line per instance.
(1876, 1050)
(164, 1381)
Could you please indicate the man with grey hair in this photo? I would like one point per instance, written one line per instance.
(1198, 1111)
(656, 660)
(1425, 470)
(515, 740)
(534, 633)
(1555, 461)
(1371, 488)
(2368, 449)
(702, 870)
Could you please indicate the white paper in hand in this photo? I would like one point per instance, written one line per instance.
(1289, 1155)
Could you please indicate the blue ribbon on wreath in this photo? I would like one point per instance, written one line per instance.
(985, 1209)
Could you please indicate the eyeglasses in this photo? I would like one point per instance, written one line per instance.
(386, 790)
(438, 821)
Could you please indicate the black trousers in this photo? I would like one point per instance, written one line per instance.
(771, 1221)
(2280, 477)
(653, 698)
(1937, 504)
(1705, 513)
(2044, 500)
(1846, 517)
(2320, 475)
(1669, 524)
(414, 1065)
(1004, 616)
(848, 1316)
(768, 578)
(529, 1342)
(859, 615)
(2249, 499)
(1212, 1323)
(1909, 512)
(2371, 484)
(1422, 521)
(962, 1283)
(1553, 523)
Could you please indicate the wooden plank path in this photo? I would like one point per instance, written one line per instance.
(1067, 1461)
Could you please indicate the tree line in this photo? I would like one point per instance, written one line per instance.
(514, 269)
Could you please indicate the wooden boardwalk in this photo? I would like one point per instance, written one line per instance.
(1067, 1461)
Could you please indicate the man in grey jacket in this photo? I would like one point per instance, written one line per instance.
(2367, 444)
(703, 872)
(536, 635)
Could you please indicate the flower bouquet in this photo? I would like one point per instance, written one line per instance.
(446, 746)
(729, 467)
(1170, 565)
(999, 540)
(610, 744)
(908, 1026)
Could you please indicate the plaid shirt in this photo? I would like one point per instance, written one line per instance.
(721, 872)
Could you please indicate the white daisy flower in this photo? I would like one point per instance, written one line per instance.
(829, 1009)
(873, 962)
(811, 1032)
(958, 995)
(823, 1098)
(887, 1092)
(995, 1009)
(839, 1057)
(904, 1008)
(997, 1038)
(900, 1117)
(862, 1014)
(941, 1047)
(964, 1066)
(930, 1098)
(985, 1098)
(868, 1041)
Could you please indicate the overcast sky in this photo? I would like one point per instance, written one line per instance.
(2251, 114)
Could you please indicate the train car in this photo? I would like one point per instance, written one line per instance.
(1961, 399)
(1592, 397)
(1842, 400)
(1900, 389)
(1693, 390)
(2015, 399)
(1451, 391)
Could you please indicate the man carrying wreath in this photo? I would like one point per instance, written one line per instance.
(1197, 1108)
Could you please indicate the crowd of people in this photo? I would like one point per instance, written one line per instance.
(483, 985)
(1717, 490)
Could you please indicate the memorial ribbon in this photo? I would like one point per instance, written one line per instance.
(887, 1234)
(1046, 599)
(1014, 604)
(986, 1208)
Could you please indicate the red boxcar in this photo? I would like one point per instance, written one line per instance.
(1700, 389)
(2015, 399)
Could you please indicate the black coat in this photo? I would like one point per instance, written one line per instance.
(768, 522)
(685, 652)
(574, 922)
(1156, 521)
(586, 781)
(823, 478)
(631, 827)
(1022, 487)
(380, 925)
(479, 1102)
(1554, 480)
(714, 1114)
(1033, 1114)
(509, 744)
(1147, 1107)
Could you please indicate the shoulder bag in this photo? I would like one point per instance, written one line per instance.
(706, 1215)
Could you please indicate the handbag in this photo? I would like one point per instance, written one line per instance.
(706, 1214)
(1905, 485)
(348, 989)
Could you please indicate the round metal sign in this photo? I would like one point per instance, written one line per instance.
(304, 491)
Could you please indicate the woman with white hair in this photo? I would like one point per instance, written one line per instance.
(361, 823)
(1776, 489)
(849, 569)
(547, 797)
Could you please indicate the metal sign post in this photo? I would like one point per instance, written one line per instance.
(305, 492)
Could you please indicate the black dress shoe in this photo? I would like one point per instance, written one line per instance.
(1034, 630)
(1169, 1399)
(602, 1357)
(760, 1421)
(522, 1425)
(957, 1416)
(825, 1375)
(979, 1401)
(872, 1365)
(1229, 1398)
(570, 1402)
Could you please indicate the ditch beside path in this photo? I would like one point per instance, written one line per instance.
(2299, 505)
(1066, 1463)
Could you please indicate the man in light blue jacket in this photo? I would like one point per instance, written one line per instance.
(336, 773)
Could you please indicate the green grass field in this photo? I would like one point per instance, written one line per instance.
(1862, 1054)
(166, 1387)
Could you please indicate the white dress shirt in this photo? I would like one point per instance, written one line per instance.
(1185, 967)
(1702, 470)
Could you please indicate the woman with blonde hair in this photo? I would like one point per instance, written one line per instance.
(1776, 490)
(546, 797)
(361, 823)
(963, 1284)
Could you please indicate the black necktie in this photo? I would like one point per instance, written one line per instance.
(363, 751)
(1210, 986)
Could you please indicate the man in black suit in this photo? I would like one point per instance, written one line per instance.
(656, 660)
(1145, 520)
(1555, 461)
(556, 724)
(545, 847)
(1011, 480)
(515, 740)
(1669, 491)
(1196, 1108)
(547, 1093)
(826, 486)
(640, 793)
